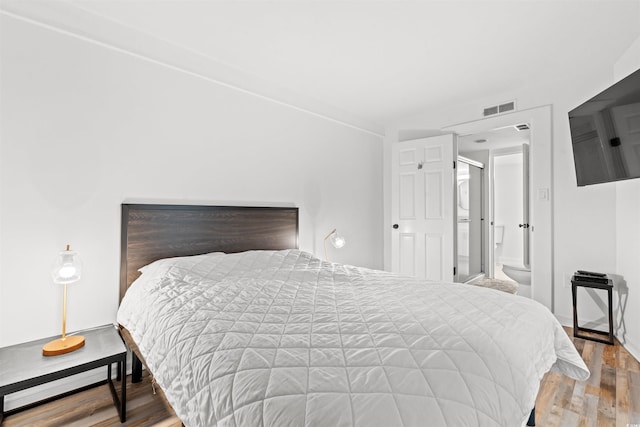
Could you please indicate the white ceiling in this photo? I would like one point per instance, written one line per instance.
(496, 139)
(377, 60)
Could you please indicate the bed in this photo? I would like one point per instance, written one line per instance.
(241, 328)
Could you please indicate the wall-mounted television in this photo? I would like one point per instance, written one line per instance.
(605, 134)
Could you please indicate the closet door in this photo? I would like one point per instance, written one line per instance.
(423, 208)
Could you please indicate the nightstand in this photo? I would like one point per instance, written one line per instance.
(23, 366)
(608, 286)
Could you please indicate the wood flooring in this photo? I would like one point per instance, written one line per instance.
(94, 407)
(610, 397)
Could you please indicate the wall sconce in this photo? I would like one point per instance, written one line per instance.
(336, 240)
(67, 268)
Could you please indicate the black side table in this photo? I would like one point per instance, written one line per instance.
(575, 283)
(23, 366)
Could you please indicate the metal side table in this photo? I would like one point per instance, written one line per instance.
(575, 284)
(23, 366)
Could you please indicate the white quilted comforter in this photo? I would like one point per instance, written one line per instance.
(282, 338)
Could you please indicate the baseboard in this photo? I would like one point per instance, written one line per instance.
(565, 321)
(633, 349)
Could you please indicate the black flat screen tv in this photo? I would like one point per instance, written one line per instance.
(605, 134)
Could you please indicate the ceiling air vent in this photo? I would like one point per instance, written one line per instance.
(499, 109)
(489, 111)
(522, 126)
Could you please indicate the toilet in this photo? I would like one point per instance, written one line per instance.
(521, 275)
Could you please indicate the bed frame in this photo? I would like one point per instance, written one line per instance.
(152, 232)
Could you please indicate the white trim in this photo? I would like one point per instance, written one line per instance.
(633, 350)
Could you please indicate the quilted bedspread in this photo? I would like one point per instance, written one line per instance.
(281, 338)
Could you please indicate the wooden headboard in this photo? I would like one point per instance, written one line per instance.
(151, 232)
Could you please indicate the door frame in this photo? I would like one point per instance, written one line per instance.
(541, 190)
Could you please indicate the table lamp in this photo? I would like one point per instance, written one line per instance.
(336, 240)
(67, 268)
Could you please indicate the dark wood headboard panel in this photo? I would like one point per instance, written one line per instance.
(152, 232)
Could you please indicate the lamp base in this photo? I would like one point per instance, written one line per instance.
(63, 345)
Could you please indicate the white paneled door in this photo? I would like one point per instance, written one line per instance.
(423, 215)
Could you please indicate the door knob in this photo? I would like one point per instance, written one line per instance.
(523, 225)
(395, 226)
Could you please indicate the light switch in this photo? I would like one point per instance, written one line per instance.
(543, 194)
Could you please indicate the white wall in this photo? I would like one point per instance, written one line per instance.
(627, 222)
(86, 128)
(584, 225)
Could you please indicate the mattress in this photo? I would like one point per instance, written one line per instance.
(281, 338)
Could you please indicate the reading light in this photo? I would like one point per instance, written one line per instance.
(67, 268)
(336, 240)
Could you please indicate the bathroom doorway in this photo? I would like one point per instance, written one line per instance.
(504, 151)
(470, 222)
(540, 137)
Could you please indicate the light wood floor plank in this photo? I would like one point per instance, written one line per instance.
(605, 399)
(607, 402)
(622, 398)
(547, 394)
(591, 411)
(634, 397)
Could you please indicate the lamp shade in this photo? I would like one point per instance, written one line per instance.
(337, 240)
(67, 267)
